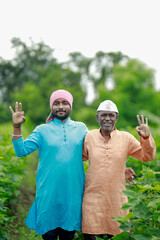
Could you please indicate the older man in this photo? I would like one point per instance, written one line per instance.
(107, 149)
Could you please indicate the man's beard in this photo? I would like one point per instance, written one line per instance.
(54, 114)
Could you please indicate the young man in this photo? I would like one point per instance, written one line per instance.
(56, 210)
(107, 149)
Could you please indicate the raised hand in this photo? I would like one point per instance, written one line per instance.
(129, 175)
(143, 129)
(17, 116)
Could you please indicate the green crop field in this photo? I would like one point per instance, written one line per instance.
(17, 189)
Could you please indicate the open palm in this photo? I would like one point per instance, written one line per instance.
(17, 116)
(143, 128)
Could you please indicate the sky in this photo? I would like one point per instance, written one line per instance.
(87, 26)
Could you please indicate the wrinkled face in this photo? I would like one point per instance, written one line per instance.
(107, 120)
(61, 109)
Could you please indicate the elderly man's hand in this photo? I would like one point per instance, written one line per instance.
(129, 176)
(143, 129)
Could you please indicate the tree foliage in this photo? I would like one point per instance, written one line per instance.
(33, 74)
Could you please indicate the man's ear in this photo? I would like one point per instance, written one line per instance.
(117, 115)
(97, 117)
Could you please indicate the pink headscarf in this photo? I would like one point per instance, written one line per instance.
(56, 95)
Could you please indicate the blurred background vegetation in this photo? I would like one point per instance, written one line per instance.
(33, 74)
(30, 77)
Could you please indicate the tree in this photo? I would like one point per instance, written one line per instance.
(134, 89)
(33, 74)
(25, 66)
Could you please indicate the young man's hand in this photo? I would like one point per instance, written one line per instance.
(17, 116)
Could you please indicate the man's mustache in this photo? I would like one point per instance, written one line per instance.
(60, 111)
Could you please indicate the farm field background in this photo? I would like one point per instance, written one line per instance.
(17, 178)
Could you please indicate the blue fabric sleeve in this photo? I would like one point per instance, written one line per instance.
(84, 129)
(30, 144)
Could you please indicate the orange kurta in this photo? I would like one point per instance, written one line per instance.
(105, 177)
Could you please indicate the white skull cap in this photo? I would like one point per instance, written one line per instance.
(107, 105)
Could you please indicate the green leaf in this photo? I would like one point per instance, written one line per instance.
(154, 204)
(128, 216)
(157, 188)
(155, 232)
(145, 187)
(126, 226)
(141, 211)
(121, 236)
(142, 237)
(130, 193)
(118, 219)
(127, 206)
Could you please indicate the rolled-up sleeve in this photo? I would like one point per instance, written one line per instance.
(146, 151)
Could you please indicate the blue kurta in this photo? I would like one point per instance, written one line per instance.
(60, 176)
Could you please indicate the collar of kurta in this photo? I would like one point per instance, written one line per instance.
(111, 134)
(58, 121)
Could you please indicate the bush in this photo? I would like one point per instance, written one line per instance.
(11, 176)
(143, 221)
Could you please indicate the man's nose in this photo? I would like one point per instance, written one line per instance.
(107, 117)
(61, 105)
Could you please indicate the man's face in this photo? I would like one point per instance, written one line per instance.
(61, 109)
(107, 120)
